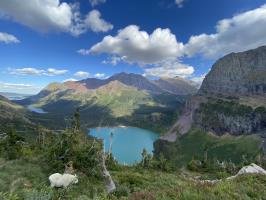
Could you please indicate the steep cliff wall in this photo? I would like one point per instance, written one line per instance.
(222, 117)
(232, 78)
(238, 74)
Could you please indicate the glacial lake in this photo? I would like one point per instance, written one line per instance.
(34, 109)
(127, 142)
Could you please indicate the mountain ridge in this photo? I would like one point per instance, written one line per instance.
(238, 74)
(226, 100)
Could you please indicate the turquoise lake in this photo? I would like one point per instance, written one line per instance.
(127, 142)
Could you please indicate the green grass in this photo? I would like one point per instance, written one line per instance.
(150, 184)
(194, 144)
(20, 179)
(26, 179)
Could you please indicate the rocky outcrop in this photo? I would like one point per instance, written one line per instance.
(246, 170)
(177, 85)
(221, 117)
(231, 78)
(238, 74)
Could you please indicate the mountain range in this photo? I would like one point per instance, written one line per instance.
(121, 99)
(231, 99)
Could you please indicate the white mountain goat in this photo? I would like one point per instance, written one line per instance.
(59, 180)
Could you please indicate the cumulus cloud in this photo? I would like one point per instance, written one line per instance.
(136, 46)
(114, 60)
(170, 70)
(99, 75)
(179, 3)
(96, 2)
(242, 32)
(81, 74)
(8, 38)
(46, 15)
(159, 49)
(155, 51)
(96, 23)
(69, 79)
(37, 72)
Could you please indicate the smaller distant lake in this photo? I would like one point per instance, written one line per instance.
(34, 109)
(127, 142)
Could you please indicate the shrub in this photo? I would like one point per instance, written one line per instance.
(11, 145)
(121, 191)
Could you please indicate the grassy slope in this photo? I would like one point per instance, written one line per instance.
(12, 114)
(110, 105)
(26, 180)
(193, 145)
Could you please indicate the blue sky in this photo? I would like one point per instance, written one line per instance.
(45, 41)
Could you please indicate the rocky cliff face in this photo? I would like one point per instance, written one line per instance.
(232, 78)
(238, 74)
(223, 116)
(232, 98)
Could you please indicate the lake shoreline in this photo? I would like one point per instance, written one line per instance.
(126, 142)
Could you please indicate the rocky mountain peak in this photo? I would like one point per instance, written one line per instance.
(238, 74)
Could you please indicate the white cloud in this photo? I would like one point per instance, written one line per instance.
(197, 80)
(19, 88)
(8, 38)
(179, 3)
(96, 23)
(159, 49)
(46, 15)
(82, 74)
(242, 32)
(15, 85)
(36, 72)
(97, 2)
(99, 75)
(83, 52)
(27, 71)
(156, 50)
(69, 79)
(54, 72)
(170, 70)
(136, 46)
(114, 60)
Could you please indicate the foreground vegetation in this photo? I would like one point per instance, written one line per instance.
(199, 145)
(30, 182)
(173, 173)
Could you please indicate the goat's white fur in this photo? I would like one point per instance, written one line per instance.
(59, 180)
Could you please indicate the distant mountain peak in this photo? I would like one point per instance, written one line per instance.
(176, 85)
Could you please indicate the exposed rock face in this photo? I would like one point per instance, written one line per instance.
(251, 169)
(229, 100)
(134, 80)
(232, 77)
(230, 117)
(238, 74)
(137, 81)
(176, 85)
